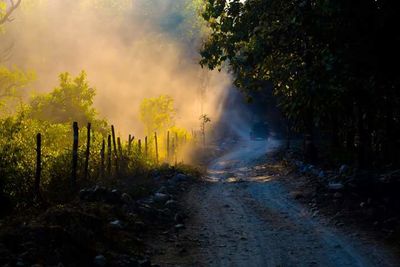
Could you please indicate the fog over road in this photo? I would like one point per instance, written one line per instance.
(244, 216)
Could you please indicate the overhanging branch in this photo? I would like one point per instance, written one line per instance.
(7, 16)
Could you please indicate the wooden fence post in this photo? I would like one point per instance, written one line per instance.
(38, 165)
(115, 149)
(122, 162)
(146, 147)
(168, 150)
(109, 151)
(156, 146)
(74, 155)
(86, 172)
(119, 147)
(130, 140)
(113, 139)
(177, 146)
(102, 156)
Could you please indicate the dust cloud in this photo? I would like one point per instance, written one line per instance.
(128, 54)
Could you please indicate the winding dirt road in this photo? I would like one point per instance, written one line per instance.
(243, 216)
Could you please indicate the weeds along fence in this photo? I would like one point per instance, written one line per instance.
(88, 157)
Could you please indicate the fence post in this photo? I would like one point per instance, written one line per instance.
(38, 165)
(156, 146)
(74, 155)
(86, 173)
(177, 146)
(113, 139)
(146, 147)
(109, 151)
(115, 149)
(140, 146)
(122, 161)
(168, 150)
(119, 147)
(102, 155)
(129, 144)
(130, 139)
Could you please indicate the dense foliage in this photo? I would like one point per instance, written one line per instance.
(23, 117)
(332, 65)
(177, 18)
(72, 101)
(52, 115)
(157, 114)
(12, 82)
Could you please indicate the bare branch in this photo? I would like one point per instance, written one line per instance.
(5, 54)
(7, 16)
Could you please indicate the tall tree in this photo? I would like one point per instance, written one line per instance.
(331, 63)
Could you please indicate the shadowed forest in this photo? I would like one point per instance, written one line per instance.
(199, 133)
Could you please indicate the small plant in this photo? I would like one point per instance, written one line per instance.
(204, 119)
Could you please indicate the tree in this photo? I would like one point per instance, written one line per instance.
(71, 101)
(157, 114)
(11, 80)
(331, 63)
(204, 119)
(178, 18)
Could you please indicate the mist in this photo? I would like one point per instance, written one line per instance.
(128, 53)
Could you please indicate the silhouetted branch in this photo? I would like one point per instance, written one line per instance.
(7, 16)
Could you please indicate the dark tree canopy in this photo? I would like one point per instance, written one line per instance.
(332, 64)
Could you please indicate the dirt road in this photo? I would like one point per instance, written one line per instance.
(244, 216)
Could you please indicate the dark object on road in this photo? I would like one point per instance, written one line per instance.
(260, 131)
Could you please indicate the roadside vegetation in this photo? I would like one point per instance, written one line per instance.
(101, 155)
(330, 65)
